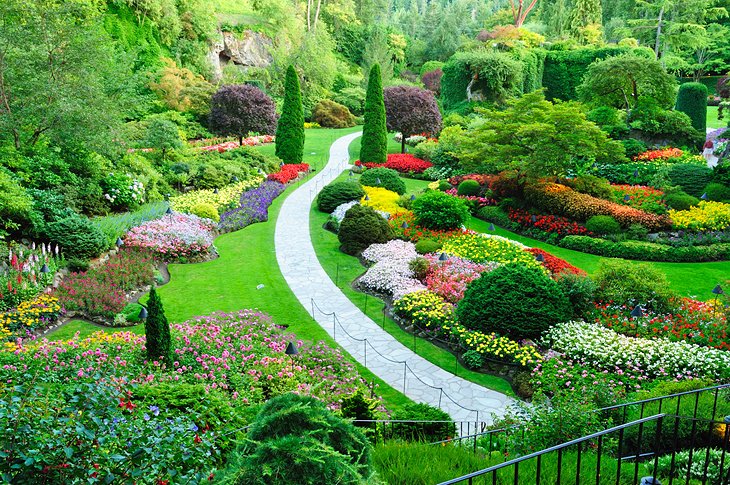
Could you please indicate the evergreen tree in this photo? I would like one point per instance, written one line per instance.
(157, 329)
(586, 21)
(290, 130)
(374, 146)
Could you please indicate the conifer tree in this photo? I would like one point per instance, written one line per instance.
(586, 19)
(157, 329)
(290, 130)
(374, 147)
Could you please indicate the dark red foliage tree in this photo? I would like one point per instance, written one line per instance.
(240, 109)
(432, 80)
(411, 111)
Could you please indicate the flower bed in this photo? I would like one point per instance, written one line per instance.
(661, 154)
(554, 264)
(661, 358)
(253, 207)
(383, 200)
(475, 202)
(401, 162)
(174, 236)
(391, 274)
(222, 199)
(647, 199)
(414, 232)
(483, 248)
(550, 224)
(23, 280)
(559, 199)
(232, 145)
(481, 179)
(30, 315)
(707, 216)
(288, 172)
(695, 322)
(448, 279)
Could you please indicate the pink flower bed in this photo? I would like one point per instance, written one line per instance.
(173, 236)
(449, 278)
(232, 145)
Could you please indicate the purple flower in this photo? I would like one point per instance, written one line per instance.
(155, 410)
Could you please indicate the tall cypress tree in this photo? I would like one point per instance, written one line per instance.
(157, 329)
(374, 147)
(290, 130)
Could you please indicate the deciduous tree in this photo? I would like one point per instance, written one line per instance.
(411, 111)
(242, 109)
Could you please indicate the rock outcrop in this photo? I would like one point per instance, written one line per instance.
(247, 49)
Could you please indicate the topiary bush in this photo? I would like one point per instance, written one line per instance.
(444, 185)
(514, 301)
(425, 246)
(77, 236)
(469, 188)
(296, 439)
(629, 283)
(718, 192)
(330, 114)
(360, 228)
(603, 225)
(692, 100)
(429, 432)
(338, 193)
(692, 178)
(388, 179)
(205, 210)
(680, 200)
(437, 210)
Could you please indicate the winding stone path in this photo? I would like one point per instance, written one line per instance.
(463, 400)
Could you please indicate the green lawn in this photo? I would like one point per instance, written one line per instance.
(712, 121)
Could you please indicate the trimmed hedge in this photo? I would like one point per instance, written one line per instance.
(692, 178)
(646, 251)
(440, 211)
(564, 70)
(692, 100)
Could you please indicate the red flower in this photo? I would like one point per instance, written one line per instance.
(197, 439)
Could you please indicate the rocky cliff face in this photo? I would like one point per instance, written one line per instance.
(248, 49)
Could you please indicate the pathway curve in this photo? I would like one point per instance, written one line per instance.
(309, 282)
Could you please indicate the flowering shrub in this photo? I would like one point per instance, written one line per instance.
(425, 309)
(559, 199)
(414, 232)
(554, 264)
(707, 216)
(401, 162)
(607, 349)
(662, 154)
(173, 236)
(253, 207)
(493, 346)
(482, 248)
(29, 315)
(391, 274)
(448, 279)
(482, 179)
(222, 199)
(382, 200)
(232, 145)
(695, 322)
(122, 190)
(288, 172)
(550, 224)
(647, 199)
(22, 279)
(475, 202)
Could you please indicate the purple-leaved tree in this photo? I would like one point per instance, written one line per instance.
(240, 109)
(411, 111)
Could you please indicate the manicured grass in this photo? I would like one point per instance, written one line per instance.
(712, 121)
(344, 269)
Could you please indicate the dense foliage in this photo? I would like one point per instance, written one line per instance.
(290, 127)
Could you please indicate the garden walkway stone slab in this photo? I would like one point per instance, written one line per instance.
(423, 381)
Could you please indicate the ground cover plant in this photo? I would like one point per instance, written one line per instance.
(174, 236)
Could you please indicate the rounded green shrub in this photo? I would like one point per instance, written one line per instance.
(360, 228)
(385, 178)
(330, 114)
(338, 193)
(437, 210)
(692, 178)
(77, 236)
(425, 246)
(718, 192)
(681, 200)
(633, 147)
(206, 211)
(444, 185)
(692, 100)
(603, 225)
(721, 173)
(429, 432)
(514, 301)
(469, 188)
(296, 439)
(579, 290)
(628, 283)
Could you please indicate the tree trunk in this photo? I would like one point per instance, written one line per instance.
(316, 15)
(658, 33)
(403, 143)
(240, 140)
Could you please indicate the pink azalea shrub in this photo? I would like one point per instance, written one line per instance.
(449, 278)
(173, 236)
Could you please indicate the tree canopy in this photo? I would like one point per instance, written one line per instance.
(240, 110)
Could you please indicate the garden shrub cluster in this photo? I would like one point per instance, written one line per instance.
(385, 178)
(338, 193)
(174, 236)
(360, 228)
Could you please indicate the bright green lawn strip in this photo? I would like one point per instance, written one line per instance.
(712, 121)
(687, 279)
(344, 269)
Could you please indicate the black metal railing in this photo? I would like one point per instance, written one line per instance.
(605, 457)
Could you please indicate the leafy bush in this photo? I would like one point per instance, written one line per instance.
(472, 359)
(338, 193)
(425, 246)
(296, 439)
(388, 179)
(437, 210)
(692, 178)
(78, 237)
(330, 114)
(718, 192)
(647, 251)
(591, 185)
(360, 228)
(206, 211)
(494, 214)
(429, 432)
(353, 98)
(515, 301)
(603, 225)
(469, 187)
(15, 203)
(692, 100)
(628, 283)
(633, 147)
(681, 200)
(580, 290)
